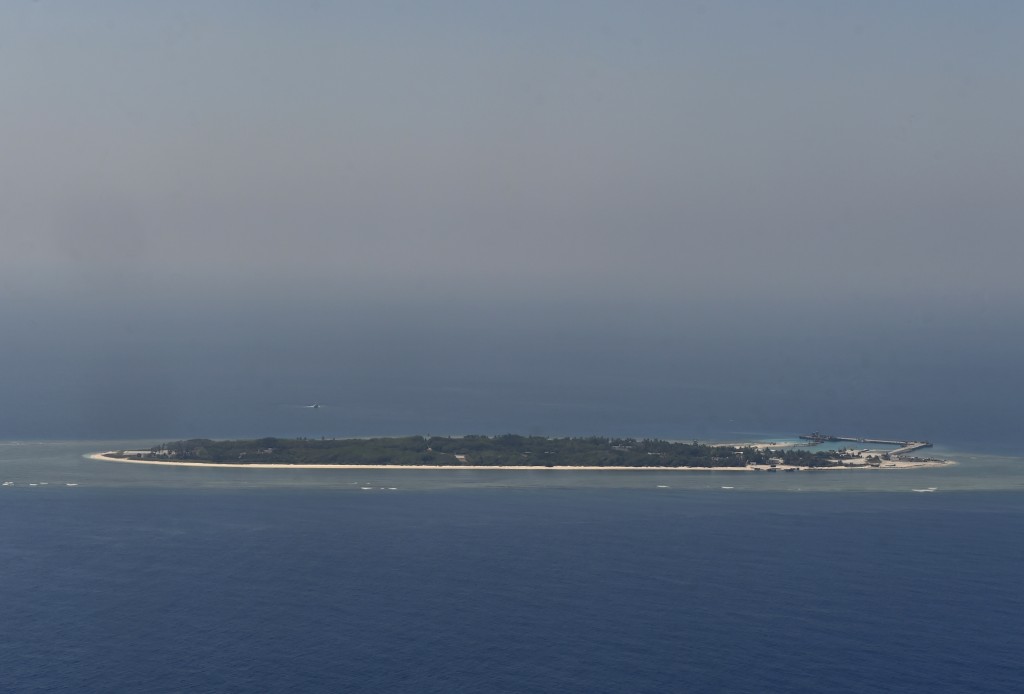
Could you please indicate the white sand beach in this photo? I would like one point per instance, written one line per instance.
(862, 463)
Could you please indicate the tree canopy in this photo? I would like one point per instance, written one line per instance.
(503, 450)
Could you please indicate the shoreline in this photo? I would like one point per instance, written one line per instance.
(895, 465)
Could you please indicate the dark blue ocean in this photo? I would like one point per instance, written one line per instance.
(122, 578)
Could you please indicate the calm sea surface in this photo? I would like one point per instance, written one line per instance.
(148, 579)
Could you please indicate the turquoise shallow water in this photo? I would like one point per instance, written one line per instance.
(61, 463)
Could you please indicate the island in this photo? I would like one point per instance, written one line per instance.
(512, 451)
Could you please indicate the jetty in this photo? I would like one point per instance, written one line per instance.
(904, 446)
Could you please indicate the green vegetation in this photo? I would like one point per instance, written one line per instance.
(506, 450)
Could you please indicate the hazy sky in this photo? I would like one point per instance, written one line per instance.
(378, 177)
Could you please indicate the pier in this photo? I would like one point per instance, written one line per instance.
(904, 446)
